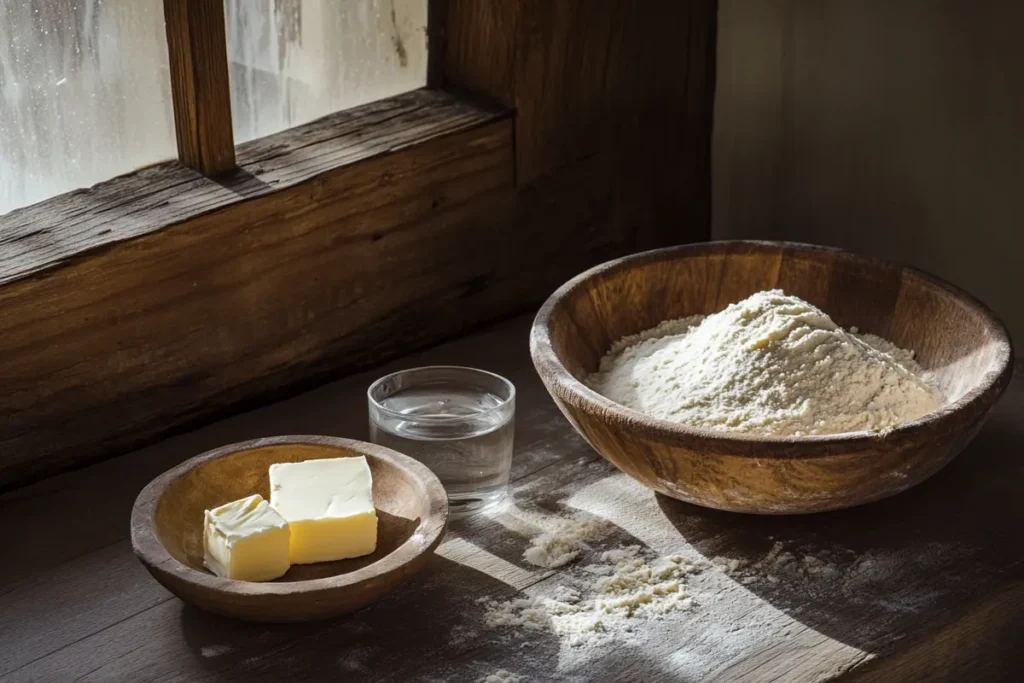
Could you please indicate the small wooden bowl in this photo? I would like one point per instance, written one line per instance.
(167, 530)
(954, 335)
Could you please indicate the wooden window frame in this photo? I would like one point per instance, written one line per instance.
(191, 289)
(200, 89)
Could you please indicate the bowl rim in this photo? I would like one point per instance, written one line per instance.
(423, 541)
(562, 382)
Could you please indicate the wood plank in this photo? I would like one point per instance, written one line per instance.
(437, 39)
(941, 602)
(480, 50)
(601, 59)
(197, 51)
(977, 644)
(115, 589)
(59, 231)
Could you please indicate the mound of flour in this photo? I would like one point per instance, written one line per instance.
(771, 364)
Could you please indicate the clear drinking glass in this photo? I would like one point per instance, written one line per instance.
(457, 421)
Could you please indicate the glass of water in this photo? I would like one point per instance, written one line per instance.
(457, 421)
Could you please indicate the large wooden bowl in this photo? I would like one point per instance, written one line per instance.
(954, 335)
(167, 530)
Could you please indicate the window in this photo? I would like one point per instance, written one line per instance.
(551, 135)
(293, 61)
(84, 94)
(85, 85)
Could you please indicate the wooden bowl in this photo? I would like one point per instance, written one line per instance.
(167, 530)
(955, 336)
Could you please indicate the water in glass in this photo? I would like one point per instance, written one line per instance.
(464, 435)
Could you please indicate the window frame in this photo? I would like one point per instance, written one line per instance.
(193, 288)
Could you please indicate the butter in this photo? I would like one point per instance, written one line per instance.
(329, 507)
(246, 540)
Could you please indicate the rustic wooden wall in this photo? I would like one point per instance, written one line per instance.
(890, 128)
(443, 218)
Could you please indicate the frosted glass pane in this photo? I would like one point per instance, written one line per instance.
(293, 61)
(84, 94)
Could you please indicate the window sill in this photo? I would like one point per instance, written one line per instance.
(163, 298)
(60, 230)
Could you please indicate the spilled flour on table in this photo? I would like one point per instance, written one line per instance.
(625, 602)
(563, 544)
(782, 564)
(501, 676)
(884, 578)
(626, 584)
(461, 634)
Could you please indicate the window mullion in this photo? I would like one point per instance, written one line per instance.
(197, 47)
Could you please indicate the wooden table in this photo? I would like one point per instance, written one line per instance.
(945, 603)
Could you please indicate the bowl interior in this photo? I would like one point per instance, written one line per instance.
(954, 337)
(399, 501)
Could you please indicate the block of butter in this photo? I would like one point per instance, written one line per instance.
(246, 540)
(329, 507)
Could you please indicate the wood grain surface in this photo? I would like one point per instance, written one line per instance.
(963, 346)
(198, 57)
(945, 602)
(164, 298)
(60, 232)
(177, 321)
(167, 530)
(480, 47)
(624, 80)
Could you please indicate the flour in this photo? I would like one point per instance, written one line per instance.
(791, 565)
(502, 676)
(624, 585)
(460, 635)
(771, 364)
(886, 580)
(563, 545)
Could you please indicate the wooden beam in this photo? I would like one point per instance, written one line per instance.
(437, 39)
(53, 234)
(480, 48)
(197, 47)
(631, 82)
(624, 76)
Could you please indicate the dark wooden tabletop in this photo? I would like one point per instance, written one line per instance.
(928, 585)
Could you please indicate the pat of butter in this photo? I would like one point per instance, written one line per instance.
(329, 507)
(246, 540)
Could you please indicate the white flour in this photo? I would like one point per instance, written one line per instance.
(771, 364)
(623, 586)
(790, 565)
(564, 544)
(502, 676)
(885, 579)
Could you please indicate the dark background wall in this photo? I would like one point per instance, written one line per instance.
(893, 128)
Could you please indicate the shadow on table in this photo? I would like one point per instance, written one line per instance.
(900, 562)
(401, 637)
